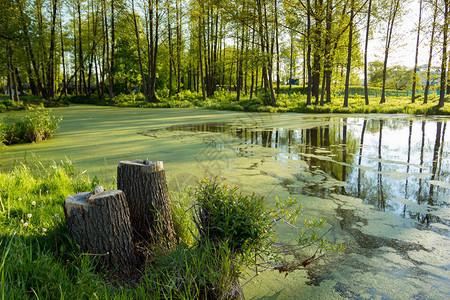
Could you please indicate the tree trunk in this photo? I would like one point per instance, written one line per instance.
(395, 6)
(51, 60)
(14, 88)
(413, 94)
(430, 55)
(111, 61)
(169, 36)
(178, 31)
(62, 55)
(444, 55)
(141, 68)
(144, 184)
(308, 54)
(200, 58)
(349, 56)
(100, 224)
(366, 90)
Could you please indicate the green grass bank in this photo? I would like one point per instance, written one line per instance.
(292, 100)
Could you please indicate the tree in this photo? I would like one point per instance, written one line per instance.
(393, 11)
(349, 50)
(413, 95)
(396, 77)
(444, 54)
(430, 55)
(366, 90)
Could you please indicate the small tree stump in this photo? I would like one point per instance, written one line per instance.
(145, 187)
(100, 224)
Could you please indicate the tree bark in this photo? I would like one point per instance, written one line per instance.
(395, 6)
(430, 55)
(349, 56)
(200, 58)
(366, 90)
(444, 55)
(141, 68)
(413, 94)
(144, 184)
(100, 224)
(308, 54)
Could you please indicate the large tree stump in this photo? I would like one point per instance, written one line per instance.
(145, 187)
(100, 224)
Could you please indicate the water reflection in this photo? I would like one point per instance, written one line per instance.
(397, 165)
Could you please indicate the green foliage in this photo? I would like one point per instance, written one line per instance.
(206, 271)
(27, 102)
(397, 77)
(34, 127)
(182, 217)
(243, 222)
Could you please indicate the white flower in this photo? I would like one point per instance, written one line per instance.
(20, 199)
(21, 220)
(29, 216)
(25, 224)
(33, 203)
(44, 229)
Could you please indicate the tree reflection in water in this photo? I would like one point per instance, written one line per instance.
(388, 162)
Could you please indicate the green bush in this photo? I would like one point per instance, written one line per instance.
(242, 221)
(36, 126)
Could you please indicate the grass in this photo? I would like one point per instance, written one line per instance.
(39, 260)
(287, 101)
(295, 102)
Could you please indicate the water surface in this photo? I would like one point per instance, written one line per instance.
(382, 182)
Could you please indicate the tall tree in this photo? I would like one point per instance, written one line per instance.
(366, 45)
(51, 60)
(138, 45)
(444, 54)
(393, 10)
(349, 52)
(413, 94)
(430, 54)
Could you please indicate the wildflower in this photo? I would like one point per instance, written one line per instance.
(20, 199)
(21, 220)
(33, 203)
(44, 229)
(29, 216)
(25, 224)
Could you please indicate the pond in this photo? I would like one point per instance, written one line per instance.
(381, 181)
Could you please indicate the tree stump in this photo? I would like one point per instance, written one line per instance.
(100, 224)
(145, 187)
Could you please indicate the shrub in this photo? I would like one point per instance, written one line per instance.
(34, 127)
(39, 125)
(242, 221)
(264, 96)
